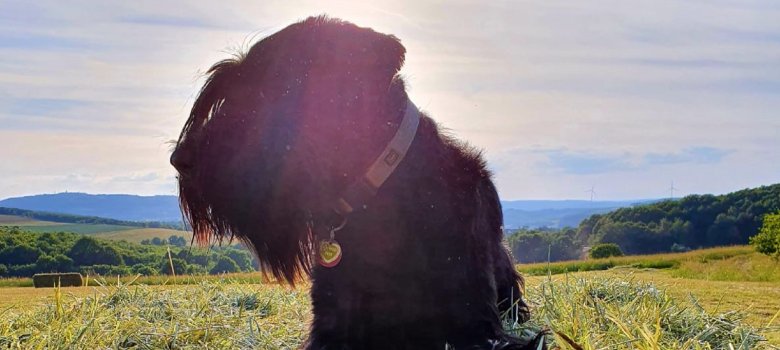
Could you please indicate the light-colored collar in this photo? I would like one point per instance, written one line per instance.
(360, 191)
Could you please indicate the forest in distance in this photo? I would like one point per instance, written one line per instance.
(691, 222)
(24, 253)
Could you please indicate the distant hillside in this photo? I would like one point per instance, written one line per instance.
(696, 221)
(114, 206)
(549, 218)
(517, 214)
(541, 204)
(557, 213)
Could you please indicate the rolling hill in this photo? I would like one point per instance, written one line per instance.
(163, 208)
(113, 206)
(100, 227)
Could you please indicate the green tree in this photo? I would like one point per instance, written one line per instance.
(46, 263)
(57, 263)
(46, 242)
(177, 241)
(3, 270)
(767, 241)
(196, 270)
(195, 256)
(145, 270)
(64, 263)
(106, 270)
(89, 251)
(25, 270)
(21, 254)
(694, 221)
(224, 265)
(179, 266)
(242, 259)
(605, 250)
(529, 246)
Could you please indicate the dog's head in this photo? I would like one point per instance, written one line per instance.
(277, 132)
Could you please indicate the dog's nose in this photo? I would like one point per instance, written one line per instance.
(181, 160)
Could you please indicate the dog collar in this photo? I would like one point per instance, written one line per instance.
(360, 191)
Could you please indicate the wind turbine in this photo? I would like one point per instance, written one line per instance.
(671, 190)
(592, 192)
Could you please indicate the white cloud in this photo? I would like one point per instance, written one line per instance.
(602, 78)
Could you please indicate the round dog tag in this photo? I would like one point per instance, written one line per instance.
(330, 253)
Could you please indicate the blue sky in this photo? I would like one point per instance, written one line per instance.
(562, 96)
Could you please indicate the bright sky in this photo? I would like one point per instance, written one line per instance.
(622, 96)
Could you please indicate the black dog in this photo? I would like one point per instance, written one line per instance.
(307, 148)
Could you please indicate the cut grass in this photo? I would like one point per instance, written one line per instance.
(729, 278)
(242, 277)
(707, 301)
(217, 315)
(759, 301)
(595, 312)
(588, 312)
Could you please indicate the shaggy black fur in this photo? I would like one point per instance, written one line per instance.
(275, 136)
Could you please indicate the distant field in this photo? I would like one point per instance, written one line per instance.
(115, 232)
(687, 260)
(12, 220)
(136, 235)
(87, 229)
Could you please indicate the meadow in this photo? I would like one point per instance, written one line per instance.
(108, 231)
(687, 306)
(736, 263)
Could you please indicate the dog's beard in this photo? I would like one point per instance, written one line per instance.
(275, 227)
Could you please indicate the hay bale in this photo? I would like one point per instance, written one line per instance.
(48, 280)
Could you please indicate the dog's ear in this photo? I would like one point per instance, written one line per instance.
(359, 53)
(390, 52)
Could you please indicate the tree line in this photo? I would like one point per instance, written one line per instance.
(692, 222)
(24, 253)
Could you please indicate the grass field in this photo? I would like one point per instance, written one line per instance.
(115, 232)
(157, 280)
(138, 234)
(709, 296)
(87, 229)
(228, 313)
(689, 261)
(12, 220)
